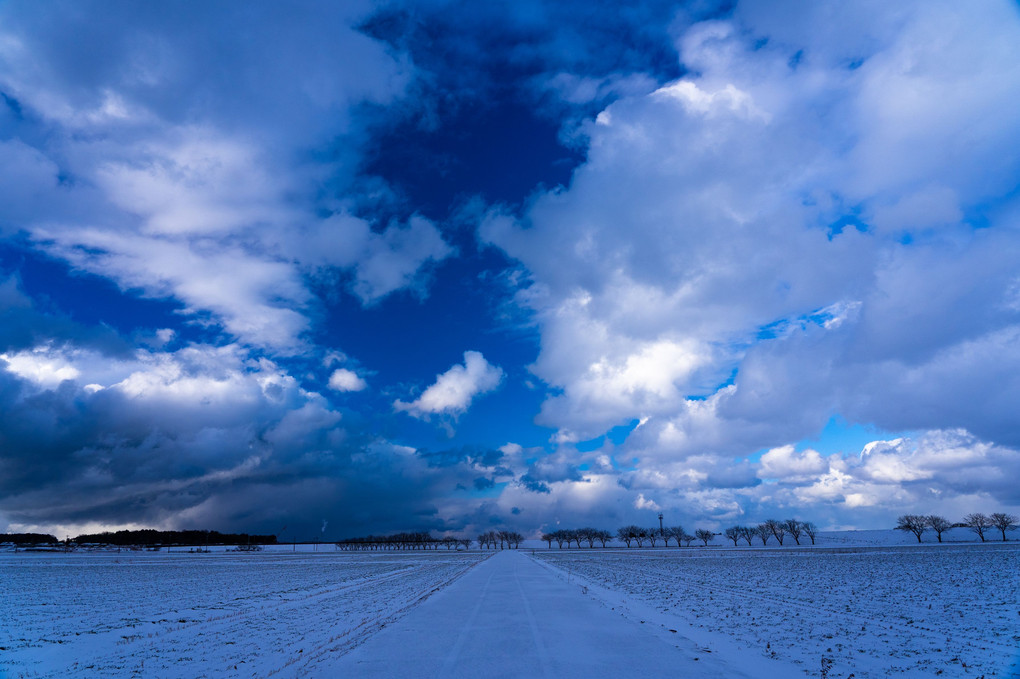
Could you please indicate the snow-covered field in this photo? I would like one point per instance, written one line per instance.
(920, 611)
(192, 615)
(856, 605)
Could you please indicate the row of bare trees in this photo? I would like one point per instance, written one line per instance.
(504, 539)
(979, 523)
(578, 535)
(772, 528)
(638, 535)
(493, 539)
(629, 535)
(402, 541)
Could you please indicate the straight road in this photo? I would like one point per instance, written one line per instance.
(511, 617)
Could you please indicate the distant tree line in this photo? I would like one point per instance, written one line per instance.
(578, 535)
(402, 541)
(508, 539)
(27, 538)
(639, 536)
(772, 528)
(629, 535)
(150, 536)
(982, 524)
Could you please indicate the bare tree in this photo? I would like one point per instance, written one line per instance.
(1003, 522)
(794, 528)
(939, 524)
(746, 533)
(912, 523)
(548, 539)
(704, 535)
(652, 534)
(640, 535)
(589, 535)
(978, 523)
(733, 534)
(627, 534)
(687, 538)
(603, 536)
(810, 529)
(763, 532)
(465, 543)
(677, 533)
(778, 528)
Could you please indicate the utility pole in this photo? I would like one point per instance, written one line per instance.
(661, 531)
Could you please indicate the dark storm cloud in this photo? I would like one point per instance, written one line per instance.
(200, 435)
(258, 459)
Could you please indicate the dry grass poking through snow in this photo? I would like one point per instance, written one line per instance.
(947, 611)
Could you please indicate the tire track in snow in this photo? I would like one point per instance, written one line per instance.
(231, 642)
(454, 655)
(543, 653)
(360, 633)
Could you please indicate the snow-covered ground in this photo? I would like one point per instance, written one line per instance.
(868, 604)
(891, 611)
(193, 615)
(510, 617)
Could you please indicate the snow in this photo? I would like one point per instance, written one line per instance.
(923, 611)
(510, 617)
(869, 604)
(203, 615)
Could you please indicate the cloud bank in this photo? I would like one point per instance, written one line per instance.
(801, 226)
(224, 188)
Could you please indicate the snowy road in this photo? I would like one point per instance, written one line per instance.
(511, 617)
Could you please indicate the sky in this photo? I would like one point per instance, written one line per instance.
(329, 269)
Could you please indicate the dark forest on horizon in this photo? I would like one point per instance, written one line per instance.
(147, 536)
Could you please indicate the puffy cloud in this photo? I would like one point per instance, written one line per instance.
(941, 470)
(454, 390)
(799, 226)
(786, 464)
(343, 379)
(40, 367)
(642, 503)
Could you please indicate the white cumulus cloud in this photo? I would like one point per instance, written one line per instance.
(343, 379)
(455, 389)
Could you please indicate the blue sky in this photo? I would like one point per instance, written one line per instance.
(449, 266)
